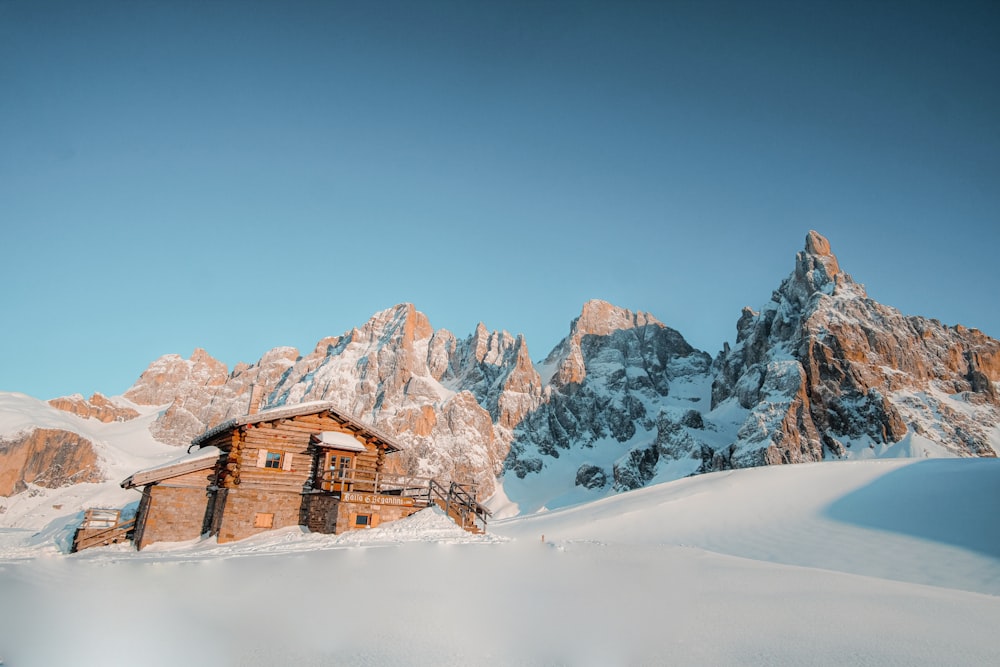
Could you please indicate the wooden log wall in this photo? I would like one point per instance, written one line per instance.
(291, 437)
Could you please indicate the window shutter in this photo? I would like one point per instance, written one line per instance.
(261, 457)
(286, 464)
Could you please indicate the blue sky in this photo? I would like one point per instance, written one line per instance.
(238, 176)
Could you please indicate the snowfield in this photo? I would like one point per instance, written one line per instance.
(853, 563)
(122, 448)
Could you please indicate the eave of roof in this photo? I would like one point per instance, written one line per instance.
(201, 460)
(288, 411)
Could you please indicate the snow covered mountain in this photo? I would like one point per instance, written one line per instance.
(823, 371)
(819, 372)
(617, 386)
(54, 463)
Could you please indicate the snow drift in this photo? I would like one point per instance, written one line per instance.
(869, 562)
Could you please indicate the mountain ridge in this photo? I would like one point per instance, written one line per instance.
(819, 372)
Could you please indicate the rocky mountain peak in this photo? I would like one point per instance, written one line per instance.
(490, 346)
(613, 380)
(823, 368)
(402, 324)
(817, 244)
(171, 376)
(200, 356)
(597, 319)
(817, 271)
(600, 318)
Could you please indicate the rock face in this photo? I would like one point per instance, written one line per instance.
(612, 378)
(97, 406)
(200, 392)
(46, 457)
(448, 400)
(824, 371)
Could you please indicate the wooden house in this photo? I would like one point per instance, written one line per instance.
(307, 465)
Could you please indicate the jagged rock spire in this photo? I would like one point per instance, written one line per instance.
(817, 271)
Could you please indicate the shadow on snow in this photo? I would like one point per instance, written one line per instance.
(952, 501)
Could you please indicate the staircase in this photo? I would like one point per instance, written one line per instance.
(102, 527)
(459, 502)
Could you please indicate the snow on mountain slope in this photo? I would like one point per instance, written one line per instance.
(449, 402)
(826, 372)
(121, 448)
(872, 562)
(618, 383)
(820, 372)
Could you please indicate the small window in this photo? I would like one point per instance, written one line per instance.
(273, 460)
(263, 520)
(363, 520)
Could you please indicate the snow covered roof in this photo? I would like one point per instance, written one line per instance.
(201, 459)
(339, 440)
(296, 410)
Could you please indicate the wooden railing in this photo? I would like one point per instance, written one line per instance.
(457, 500)
(92, 537)
(369, 481)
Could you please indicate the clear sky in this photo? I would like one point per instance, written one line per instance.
(242, 175)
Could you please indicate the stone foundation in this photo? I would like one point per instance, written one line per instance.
(348, 513)
(185, 513)
(247, 512)
(319, 512)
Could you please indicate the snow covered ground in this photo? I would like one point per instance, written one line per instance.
(854, 563)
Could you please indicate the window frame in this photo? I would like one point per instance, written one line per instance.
(280, 460)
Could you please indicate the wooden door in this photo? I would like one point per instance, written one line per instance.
(339, 469)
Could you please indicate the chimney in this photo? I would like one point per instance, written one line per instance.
(256, 395)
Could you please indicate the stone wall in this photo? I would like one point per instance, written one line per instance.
(174, 510)
(247, 512)
(170, 514)
(347, 514)
(319, 512)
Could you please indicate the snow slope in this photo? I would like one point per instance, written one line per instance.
(853, 563)
(928, 522)
(122, 449)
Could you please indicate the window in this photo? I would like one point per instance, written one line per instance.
(263, 520)
(274, 460)
(363, 520)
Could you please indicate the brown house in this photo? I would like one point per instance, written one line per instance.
(302, 465)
